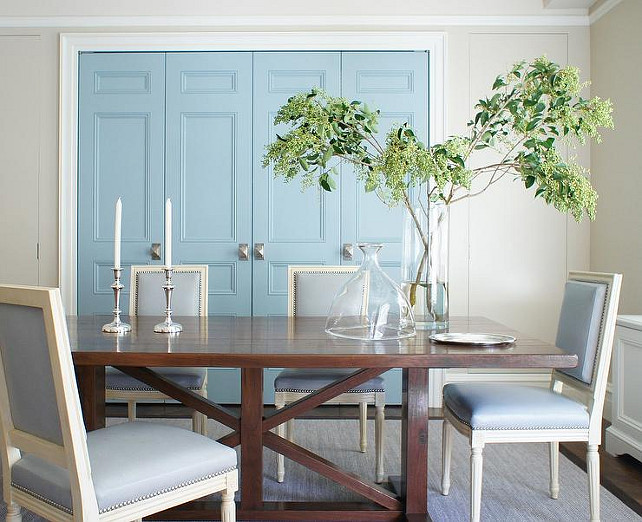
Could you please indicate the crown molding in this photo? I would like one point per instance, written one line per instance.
(296, 22)
(602, 9)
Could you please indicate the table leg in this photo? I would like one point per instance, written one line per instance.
(414, 441)
(251, 438)
(91, 388)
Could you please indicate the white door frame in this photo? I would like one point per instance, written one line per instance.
(71, 44)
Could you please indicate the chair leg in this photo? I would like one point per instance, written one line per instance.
(363, 426)
(228, 508)
(476, 464)
(554, 457)
(280, 460)
(199, 423)
(380, 422)
(446, 454)
(14, 513)
(131, 410)
(593, 470)
(290, 430)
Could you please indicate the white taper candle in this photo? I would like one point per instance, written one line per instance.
(117, 227)
(168, 233)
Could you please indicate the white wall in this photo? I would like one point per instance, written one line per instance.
(616, 235)
(509, 254)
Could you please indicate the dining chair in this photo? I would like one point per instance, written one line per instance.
(311, 289)
(495, 413)
(147, 297)
(53, 467)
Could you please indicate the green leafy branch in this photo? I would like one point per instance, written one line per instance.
(533, 110)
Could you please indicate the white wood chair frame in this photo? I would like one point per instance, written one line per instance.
(199, 420)
(591, 395)
(73, 454)
(363, 399)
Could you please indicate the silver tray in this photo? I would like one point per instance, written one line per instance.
(477, 339)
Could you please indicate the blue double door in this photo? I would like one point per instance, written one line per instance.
(194, 127)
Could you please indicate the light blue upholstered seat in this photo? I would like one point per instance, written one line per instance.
(490, 413)
(311, 290)
(512, 407)
(53, 467)
(148, 298)
(186, 377)
(129, 462)
(308, 380)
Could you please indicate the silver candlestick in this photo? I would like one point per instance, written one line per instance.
(168, 326)
(117, 326)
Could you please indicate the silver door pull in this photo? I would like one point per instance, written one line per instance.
(259, 251)
(155, 251)
(244, 253)
(347, 251)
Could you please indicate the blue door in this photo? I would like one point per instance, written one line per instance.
(294, 227)
(208, 170)
(397, 84)
(121, 148)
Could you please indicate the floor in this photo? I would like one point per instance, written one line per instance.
(622, 475)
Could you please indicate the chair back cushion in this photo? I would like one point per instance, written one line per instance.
(28, 372)
(150, 296)
(315, 291)
(581, 321)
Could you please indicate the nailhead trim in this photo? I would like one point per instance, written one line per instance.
(200, 284)
(41, 498)
(298, 390)
(166, 490)
(508, 428)
(319, 271)
(127, 502)
(141, 389)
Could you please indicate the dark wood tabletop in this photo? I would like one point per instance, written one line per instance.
(255, 343)
(300, 342)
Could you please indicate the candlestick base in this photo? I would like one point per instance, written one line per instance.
(168, 327)
(117, 327)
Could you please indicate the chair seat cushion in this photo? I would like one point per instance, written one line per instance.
(129, 462)
(190, 378)
(511, 407)
(309, 380)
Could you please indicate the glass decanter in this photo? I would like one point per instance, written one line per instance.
(370, 305)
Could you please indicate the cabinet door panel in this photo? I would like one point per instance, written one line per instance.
(296, 227)
(396, 83)
(120, 153)
(208, 174)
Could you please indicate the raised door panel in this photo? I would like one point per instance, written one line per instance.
(120, 148)
(396, 83)
(208, 169)
(296, 227)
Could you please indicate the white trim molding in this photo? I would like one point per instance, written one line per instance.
(72, 44)
(571, 17)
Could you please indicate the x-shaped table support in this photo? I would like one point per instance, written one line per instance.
(252, 432)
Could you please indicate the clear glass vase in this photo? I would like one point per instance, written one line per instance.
(425, 265)
(370, 306)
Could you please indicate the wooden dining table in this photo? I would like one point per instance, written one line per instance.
(256, 343)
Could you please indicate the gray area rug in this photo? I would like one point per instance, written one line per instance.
(515, 476)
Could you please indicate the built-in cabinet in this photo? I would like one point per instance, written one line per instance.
(193, 127)
(625, 433)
